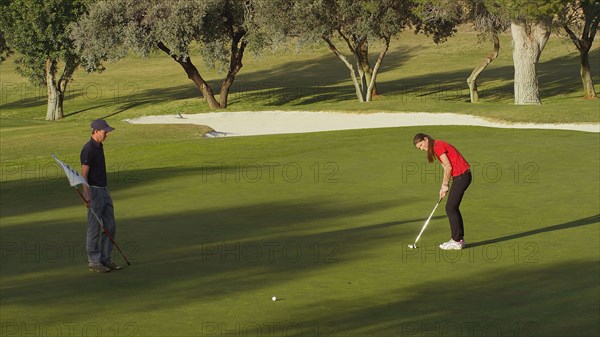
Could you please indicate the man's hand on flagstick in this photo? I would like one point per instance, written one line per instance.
(75, 179)
(86, 197)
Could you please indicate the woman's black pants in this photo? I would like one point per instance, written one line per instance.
(457, 191)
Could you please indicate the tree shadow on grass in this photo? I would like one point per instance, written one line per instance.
(30, 99)
(325, 79)
(184, 233)
(154, 96)
(74, 113)
(532, 301)
(211, 244)
(324, 83)
(210, 255)
(41, 186)
(559, 76)
(594, 219)
(391, 224)
(538, 301)
(326, 69)
(129, 98)
(45, 187)
(305, 82)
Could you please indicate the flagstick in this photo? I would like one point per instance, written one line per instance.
(102, 225)
(76, 179)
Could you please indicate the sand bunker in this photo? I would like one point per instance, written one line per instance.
(252, 123)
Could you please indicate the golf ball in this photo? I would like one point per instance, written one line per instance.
(274, 298)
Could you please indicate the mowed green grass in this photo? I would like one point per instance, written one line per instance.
(215, 227)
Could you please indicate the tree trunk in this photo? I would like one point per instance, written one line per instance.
(54, 109)
(349, 65)
(586, 76)
(363, 57)
(71, 65)
(193, 74)
(584, 44)
(472, 80)
(373, 79)
(359, 47)
(235, 64)
(529, 39)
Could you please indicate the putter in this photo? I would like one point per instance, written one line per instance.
(414, 245)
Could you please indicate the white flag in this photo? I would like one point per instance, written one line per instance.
(74, 177)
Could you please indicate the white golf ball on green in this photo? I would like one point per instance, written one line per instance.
(274, 298)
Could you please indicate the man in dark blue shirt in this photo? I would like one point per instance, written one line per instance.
(97, 196)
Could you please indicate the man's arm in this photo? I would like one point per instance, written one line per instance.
(85, 169)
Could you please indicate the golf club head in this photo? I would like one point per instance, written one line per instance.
(412, 246)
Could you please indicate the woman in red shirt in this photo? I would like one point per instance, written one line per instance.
(457, 169)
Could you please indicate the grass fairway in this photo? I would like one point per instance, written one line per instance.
(215, 227)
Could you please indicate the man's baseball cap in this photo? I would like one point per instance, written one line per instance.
(100, 124)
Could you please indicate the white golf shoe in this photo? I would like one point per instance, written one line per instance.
(453, 245)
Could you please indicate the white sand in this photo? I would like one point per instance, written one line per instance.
(250, 123)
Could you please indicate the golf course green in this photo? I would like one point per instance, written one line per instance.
(214, 228)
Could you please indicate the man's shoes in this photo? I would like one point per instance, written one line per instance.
(99, 268)
(453, 245)
(112, 266)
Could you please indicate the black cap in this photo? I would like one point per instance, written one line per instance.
(100, 124)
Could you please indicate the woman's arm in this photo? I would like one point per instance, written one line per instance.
(447, 174)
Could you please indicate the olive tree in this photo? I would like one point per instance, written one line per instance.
(488, 26)
(355, 24)
(38, 30)
(5, 50)
(113, 28)
(580, 21)
(530, 25)
(474, 12)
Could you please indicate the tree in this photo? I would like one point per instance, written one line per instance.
(530, 23)
(580, 20)
(355, 23)
(4, 48)
(115, 27)
(37, 30)
(474, 12)
(489, 26)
